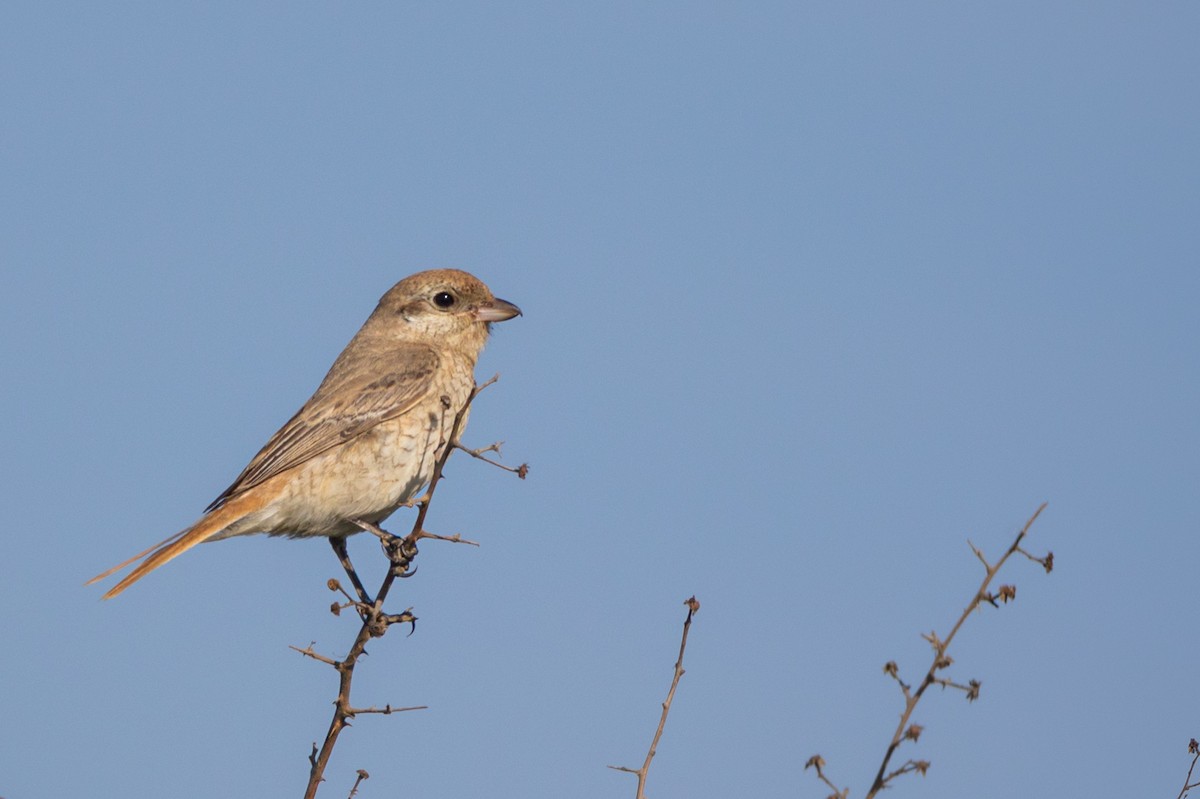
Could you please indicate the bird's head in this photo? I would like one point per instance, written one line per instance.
(442, 307)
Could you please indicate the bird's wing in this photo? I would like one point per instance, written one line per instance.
(349, 402)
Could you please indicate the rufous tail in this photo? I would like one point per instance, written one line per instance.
(208, 526)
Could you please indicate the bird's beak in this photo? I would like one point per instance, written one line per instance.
(497, 310)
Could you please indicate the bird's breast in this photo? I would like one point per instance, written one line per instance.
(371, 475)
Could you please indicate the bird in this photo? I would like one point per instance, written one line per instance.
(367, 440)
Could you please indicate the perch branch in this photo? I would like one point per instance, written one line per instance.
(400, 552)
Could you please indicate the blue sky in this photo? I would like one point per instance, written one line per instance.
(813, 294)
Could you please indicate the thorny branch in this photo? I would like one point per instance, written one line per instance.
(375, 622)
(940, 660)
(692, 605)
(906, 731)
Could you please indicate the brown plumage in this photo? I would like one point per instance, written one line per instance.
(367, 440)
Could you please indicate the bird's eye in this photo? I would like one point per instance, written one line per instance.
(443, 299)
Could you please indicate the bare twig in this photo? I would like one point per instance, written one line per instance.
(919, 766)
(386, 710)
(692, 605)
(1194, 751)
(905, 730)
(521, 471)
(308, 652)
(362, 775)
(401, 552)
(971, 689)
(453, 539)
(817, 762)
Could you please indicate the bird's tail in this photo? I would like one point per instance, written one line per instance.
(208, 527)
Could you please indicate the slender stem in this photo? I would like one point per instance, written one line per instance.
(1194, 748)
(643, 772)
